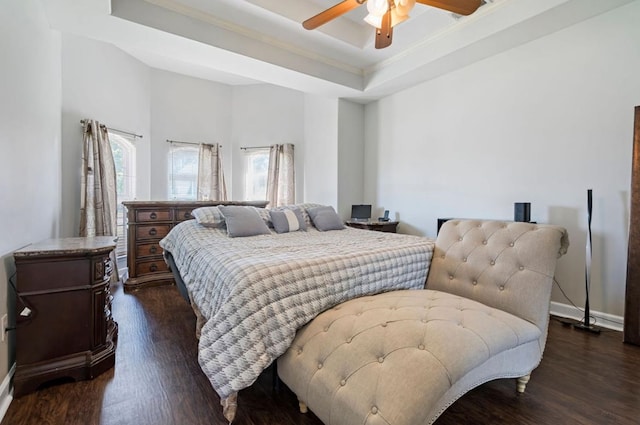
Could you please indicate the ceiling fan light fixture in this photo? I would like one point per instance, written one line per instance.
(399, 11)
(377, 9)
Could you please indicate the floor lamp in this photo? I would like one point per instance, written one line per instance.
(585, 324)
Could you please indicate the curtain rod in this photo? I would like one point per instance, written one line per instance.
(187, 143)
(251, 148)
(117, 130)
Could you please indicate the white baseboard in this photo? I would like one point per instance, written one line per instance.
(6, 395)
(603, 320)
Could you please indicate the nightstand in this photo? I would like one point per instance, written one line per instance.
(379, 226)
(64, 327)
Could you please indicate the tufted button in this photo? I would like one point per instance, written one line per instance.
(349, 340)
(319, 365)
(511, 244)
(383, 324)
(501, 287)
(359, 313)
(475, 282)
(484, 242)
(421, 347)
(521, 268)
(374, 410)
(450, 277)
(493, 263)
(326, 329)
(380, 359)
(299, 351)
(424, 320)
(343, 383)
(464, 260)
(442, 256)
(460, 239)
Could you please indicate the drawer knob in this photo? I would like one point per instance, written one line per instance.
(153, 249)
(153, 267)
(153, 216)
(153, 232)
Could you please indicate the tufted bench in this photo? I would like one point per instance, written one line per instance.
(403, 357)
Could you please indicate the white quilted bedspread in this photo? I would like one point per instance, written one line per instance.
(255, 292)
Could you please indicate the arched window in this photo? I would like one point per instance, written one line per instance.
(124, 156)
(183, 173)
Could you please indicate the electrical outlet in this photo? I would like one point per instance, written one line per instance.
(4, 322)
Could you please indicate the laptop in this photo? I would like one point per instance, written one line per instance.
(360, 212)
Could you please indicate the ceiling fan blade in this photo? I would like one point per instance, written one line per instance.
(384, 35)
(461, 7)
(331, 13)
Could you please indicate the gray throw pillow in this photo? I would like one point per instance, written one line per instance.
(289, 220)
(325, 218)
(243, 221)
(208, 216)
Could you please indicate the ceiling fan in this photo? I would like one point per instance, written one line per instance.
(385, 14)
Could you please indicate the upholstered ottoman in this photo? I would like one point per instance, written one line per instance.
(403, 357)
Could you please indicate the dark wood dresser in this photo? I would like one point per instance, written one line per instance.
(148, 223)
(64, 326)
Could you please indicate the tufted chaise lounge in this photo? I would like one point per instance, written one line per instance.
(403, 357)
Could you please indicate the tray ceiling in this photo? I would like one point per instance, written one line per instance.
(262, 41)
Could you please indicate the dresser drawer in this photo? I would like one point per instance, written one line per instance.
(183, 214)
(153, 215)
(157, 231)
(151, 266)
(148, 249)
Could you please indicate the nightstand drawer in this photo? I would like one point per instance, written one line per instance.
(153, 215)
(157, 231)
(152, 266)
(102, 270)
(148, 250)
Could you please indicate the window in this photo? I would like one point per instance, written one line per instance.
(124, 156)
(257, 167)
(183, 173)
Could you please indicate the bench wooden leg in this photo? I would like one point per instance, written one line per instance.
(303, 407)
(522, 383)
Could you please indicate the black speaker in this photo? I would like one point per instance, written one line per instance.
(522, 211)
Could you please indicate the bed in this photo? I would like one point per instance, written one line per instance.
(253, 293)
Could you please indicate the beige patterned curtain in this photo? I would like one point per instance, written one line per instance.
(98, 184)
(281, 175)
(211, 185)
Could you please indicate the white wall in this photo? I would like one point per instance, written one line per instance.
(350, 156)
(190, 110)
(542, 124)
(321, 152)
(30, 102)
(101, 82)
(264, 115)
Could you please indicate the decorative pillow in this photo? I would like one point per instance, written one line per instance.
(325, 218)
(243, 221)
(289, 220)
(301, 207)
(208, 216)
(264, 214)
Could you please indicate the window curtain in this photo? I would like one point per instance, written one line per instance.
(98, 185)
(281, 175)
(211, 185)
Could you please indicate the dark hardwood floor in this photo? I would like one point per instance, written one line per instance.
(583, 379)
